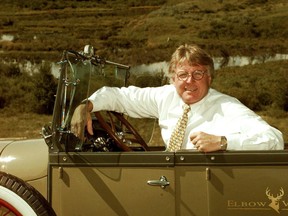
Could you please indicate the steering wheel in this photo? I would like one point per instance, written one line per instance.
(111, 130)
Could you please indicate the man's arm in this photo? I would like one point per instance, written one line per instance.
(81, 118)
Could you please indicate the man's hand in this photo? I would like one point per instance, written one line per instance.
(81, 118)
(205, 142)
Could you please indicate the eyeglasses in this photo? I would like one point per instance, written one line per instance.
(196, 75)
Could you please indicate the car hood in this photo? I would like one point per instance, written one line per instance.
(26, 159)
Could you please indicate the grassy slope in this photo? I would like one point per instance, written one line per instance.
(146, 33)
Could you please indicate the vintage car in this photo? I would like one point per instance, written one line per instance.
(118, 172)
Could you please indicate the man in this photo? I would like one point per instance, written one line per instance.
(215, 121)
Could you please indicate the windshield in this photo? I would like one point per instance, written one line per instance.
(80, 76)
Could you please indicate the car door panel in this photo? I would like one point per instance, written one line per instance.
(113, 189)
(248, 190)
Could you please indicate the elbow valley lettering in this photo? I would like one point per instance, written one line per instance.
(273, 202)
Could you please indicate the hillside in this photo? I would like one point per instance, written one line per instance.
(137, 31)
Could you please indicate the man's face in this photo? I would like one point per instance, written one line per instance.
(191, 90)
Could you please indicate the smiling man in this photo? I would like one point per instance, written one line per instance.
(211, 121)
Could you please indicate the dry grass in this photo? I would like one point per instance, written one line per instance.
(25, 125)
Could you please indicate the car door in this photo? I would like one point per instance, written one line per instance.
(112, 183)
(231, 183)
(248, 183)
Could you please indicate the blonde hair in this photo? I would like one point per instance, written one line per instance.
(194, 55)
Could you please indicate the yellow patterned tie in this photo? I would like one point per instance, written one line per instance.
(177, 136)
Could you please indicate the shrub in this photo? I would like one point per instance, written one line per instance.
(45, 90)
(261, 87)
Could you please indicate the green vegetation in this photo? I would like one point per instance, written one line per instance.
(135, 32)
(22, 92)
(261, 87)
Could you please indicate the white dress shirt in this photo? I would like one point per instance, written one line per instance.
(216, 114)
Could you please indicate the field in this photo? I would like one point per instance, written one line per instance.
(138, 32)
(22, 125)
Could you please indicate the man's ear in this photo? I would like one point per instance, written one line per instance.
(210, 79)
(172, 80)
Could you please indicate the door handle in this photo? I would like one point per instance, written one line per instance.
(162, 182)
